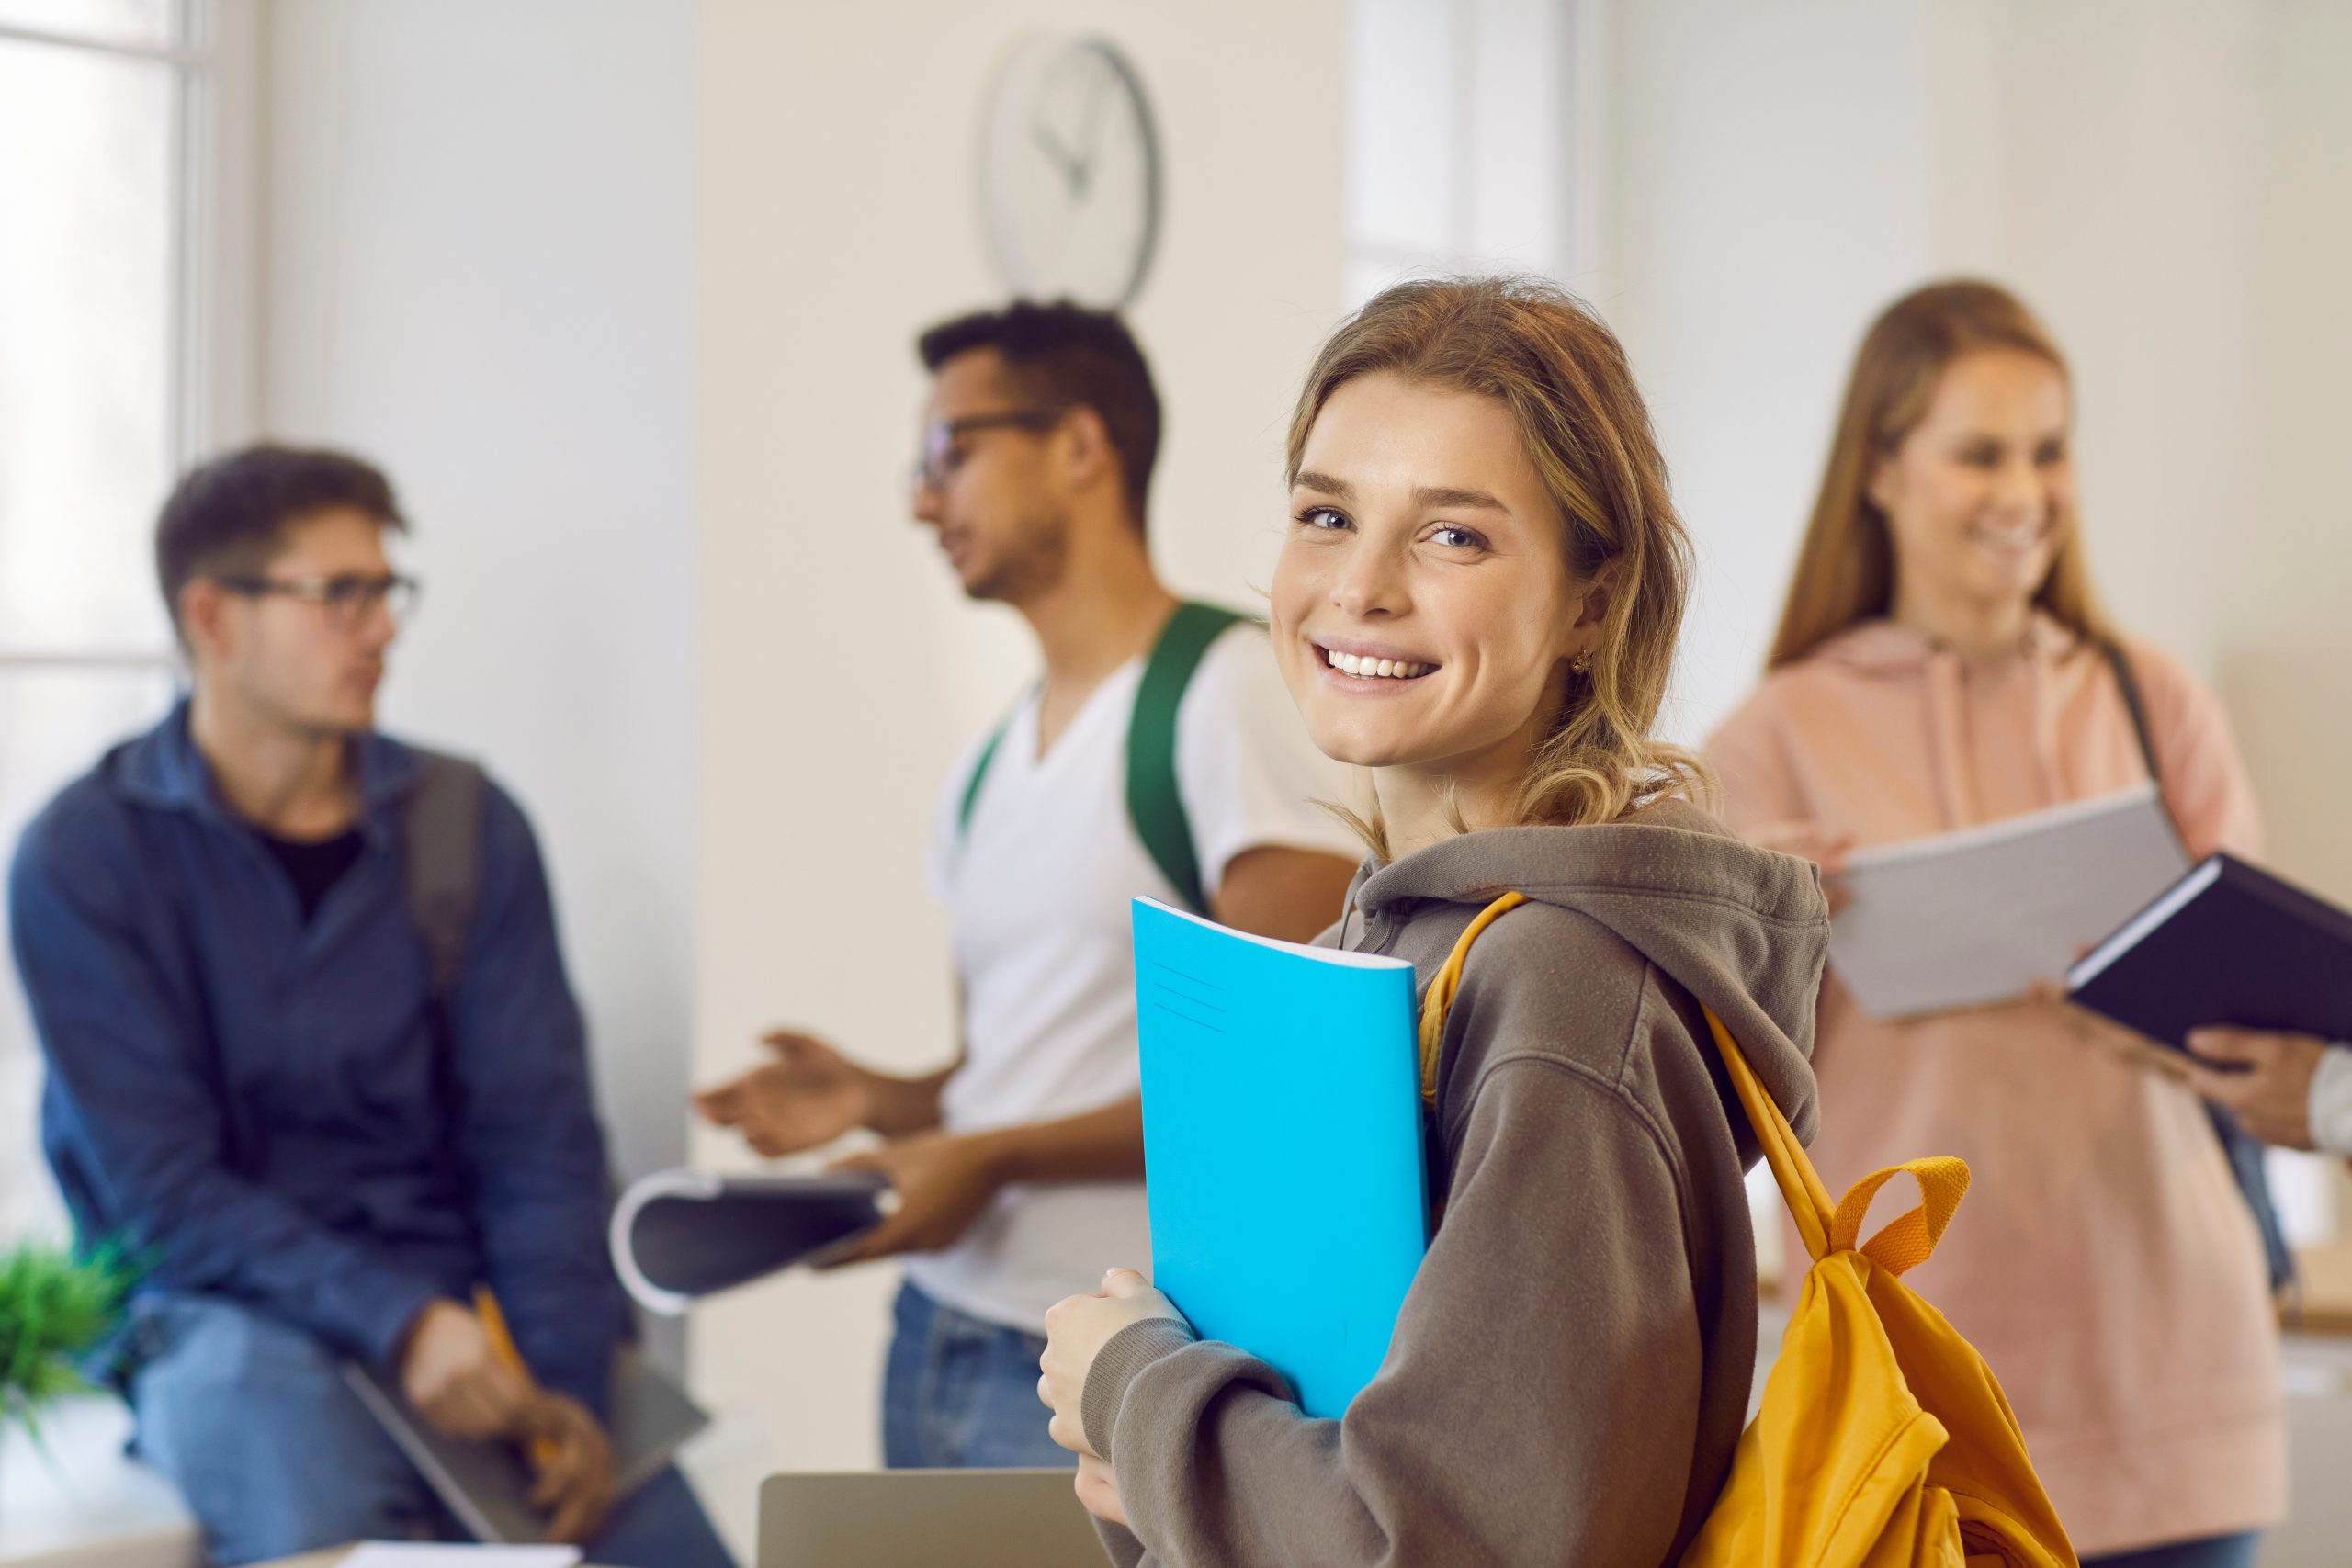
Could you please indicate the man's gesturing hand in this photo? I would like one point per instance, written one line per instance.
(809, 1096)
(944, 1181)
(2263, 1076)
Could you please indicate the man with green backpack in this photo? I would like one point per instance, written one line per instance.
(1157, 754)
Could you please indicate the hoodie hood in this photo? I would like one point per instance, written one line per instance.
(1743, 931)
(1884, 650)
(1883, 646)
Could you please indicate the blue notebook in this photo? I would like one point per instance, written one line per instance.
(1281, 1130)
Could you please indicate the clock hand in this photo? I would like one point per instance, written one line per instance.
(1090, 123)
(1072, 172)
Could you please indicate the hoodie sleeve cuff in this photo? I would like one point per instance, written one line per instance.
(1119, 1543)
(381, 1333)
(1127, 1353)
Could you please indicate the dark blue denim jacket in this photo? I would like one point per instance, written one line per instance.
(259, 1107)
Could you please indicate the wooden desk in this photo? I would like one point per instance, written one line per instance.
(2325, 1279)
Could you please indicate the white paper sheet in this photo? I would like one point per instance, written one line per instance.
(1974, 918)
(409, 1554)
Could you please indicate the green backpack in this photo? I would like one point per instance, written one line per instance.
(1155, 804)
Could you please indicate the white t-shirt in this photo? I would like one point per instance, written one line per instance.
(1037, 890)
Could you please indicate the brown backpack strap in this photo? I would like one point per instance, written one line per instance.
(441, 861)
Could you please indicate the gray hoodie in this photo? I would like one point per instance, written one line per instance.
(1571, 1369)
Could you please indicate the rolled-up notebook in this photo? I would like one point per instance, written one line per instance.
(678, 1235)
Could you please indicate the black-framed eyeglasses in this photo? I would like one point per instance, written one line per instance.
(943, 450)
(347, 601)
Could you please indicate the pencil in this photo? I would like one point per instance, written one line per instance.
(502, 1344)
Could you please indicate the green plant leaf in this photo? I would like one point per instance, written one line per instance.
(54, 1308)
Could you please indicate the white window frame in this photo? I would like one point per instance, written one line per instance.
(216, 259)
(1576, 200)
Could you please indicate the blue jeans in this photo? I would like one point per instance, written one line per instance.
(961, 1393)
(2213, 1551)
(275, 1455)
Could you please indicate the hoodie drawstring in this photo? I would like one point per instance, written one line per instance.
(1946, 709)
(1947, 732)
(2045, 721)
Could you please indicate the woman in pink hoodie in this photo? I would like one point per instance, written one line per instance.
(1942, 663)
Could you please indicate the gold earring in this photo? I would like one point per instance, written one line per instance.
(1581, 662)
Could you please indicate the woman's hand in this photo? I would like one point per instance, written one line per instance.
(1098, 1490)
(2101, 1032)
(1807, 842)
(2264, 1080)
(1076, 1330)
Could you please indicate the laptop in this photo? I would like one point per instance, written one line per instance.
(488, 1485)
(899, 1519)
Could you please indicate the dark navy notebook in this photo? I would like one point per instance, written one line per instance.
(2229, 943)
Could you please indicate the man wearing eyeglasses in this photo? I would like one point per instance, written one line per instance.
(1018, 1165)
(260, 1088)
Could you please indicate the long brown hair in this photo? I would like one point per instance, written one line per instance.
(1563, 378)
(1845, 570)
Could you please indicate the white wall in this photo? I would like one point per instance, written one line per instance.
(1765, 169)
(478, 245)
(841, 670)
(2285, 660)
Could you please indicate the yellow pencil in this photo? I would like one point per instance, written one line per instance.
(502, 1344)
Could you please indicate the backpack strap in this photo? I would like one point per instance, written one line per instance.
(1439, 999)
(1906, 1242)
(2128, 684)
(1154, 800)
(979, 776)
(2241, 1148)
(441, 862)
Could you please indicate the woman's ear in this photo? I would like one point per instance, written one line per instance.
(1599, 592)
(1879, 485)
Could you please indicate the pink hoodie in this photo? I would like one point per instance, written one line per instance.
(2104, 1262)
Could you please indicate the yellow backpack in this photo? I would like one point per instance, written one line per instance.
(1883, 1440)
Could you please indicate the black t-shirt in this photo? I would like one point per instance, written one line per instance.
(315, 866)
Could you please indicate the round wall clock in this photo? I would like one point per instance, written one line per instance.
(1070, 172)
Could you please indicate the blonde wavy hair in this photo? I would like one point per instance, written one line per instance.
(1563, 378)
(1845, 571)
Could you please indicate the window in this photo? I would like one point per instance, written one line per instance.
(1472, 137)
(122, 126)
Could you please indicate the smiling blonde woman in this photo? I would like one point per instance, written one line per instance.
(1478, 601)
(1941, 663)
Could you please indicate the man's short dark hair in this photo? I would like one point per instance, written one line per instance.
(230, 514)
(1063, 355)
